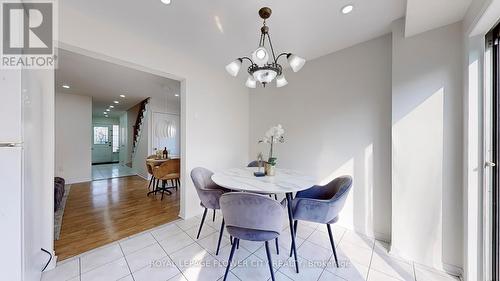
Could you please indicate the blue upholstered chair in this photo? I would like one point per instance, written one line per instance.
(209, 194)
(322, 204)
(239, 210)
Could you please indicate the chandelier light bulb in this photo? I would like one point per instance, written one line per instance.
(295, 62)
(234, 67)
(260, 56)
(281, 81)
(251, 83)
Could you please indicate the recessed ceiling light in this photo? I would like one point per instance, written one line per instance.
(166, 2)
(116, 102)
(65, 86)
(122, 96)
(347, 9)
(106, 116)
(108, 109)
(176, 95)
(105, 112)
(111, 106)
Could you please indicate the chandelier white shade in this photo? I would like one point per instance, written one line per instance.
(234, 67)
(264, 66)
(251, 83)
(296, 62)
(281, 81)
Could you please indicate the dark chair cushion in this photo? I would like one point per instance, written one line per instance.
(58, 192)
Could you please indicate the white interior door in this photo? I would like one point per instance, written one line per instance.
(102, 143)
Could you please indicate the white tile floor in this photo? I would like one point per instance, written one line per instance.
(171, 252)
(107, 171)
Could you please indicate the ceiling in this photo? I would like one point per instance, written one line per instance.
(424, 15)
(218, 31)
(105, 82)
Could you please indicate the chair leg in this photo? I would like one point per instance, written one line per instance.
(230, 258)
(333, 245)
(163, 185)
(277, 246)
(213, 218)
(150, 182)
(231, 239)
(275, 197)
(269, 260)
(292, 233)
(202, 221)
(220, 237)
(157, 185)
(237, 243)
(295, 224)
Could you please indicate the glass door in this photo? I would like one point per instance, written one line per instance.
(102, 145)
(493, 41)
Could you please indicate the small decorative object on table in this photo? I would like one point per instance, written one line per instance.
(259, 172)
(273, 135)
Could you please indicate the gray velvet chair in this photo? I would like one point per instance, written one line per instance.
(252, 217)
(209, 194)
(322, 204)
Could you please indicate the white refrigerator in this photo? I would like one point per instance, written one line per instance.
(26, 173)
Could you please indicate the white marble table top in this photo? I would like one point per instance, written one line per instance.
(242, 179)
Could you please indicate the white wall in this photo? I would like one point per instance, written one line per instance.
(337, 115)
(205, 140)
(38, 136)
(73, 122)
(427, 123)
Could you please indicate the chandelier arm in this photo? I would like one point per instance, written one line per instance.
(271, 45)
(278, 57)
(247, 58)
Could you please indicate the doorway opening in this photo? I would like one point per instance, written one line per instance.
(110, 118)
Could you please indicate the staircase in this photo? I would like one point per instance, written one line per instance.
(137, 128)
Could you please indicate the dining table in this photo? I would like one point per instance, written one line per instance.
(284, 181)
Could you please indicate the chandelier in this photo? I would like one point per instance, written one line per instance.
(264, 66)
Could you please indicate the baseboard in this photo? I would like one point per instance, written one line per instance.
(143, 176)
(77, 180)
(453, 270)
(443, 267)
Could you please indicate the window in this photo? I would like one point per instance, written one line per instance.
(100, 135)
(116, 138)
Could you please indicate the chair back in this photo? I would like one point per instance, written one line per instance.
(202, 179)
(336, 192)
(149, 166)
(208, 191)
(255, 163)
(172, 166)
(252, 211)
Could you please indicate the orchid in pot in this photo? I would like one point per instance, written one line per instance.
(272, 136)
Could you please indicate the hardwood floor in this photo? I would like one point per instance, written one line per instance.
(103, 211)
